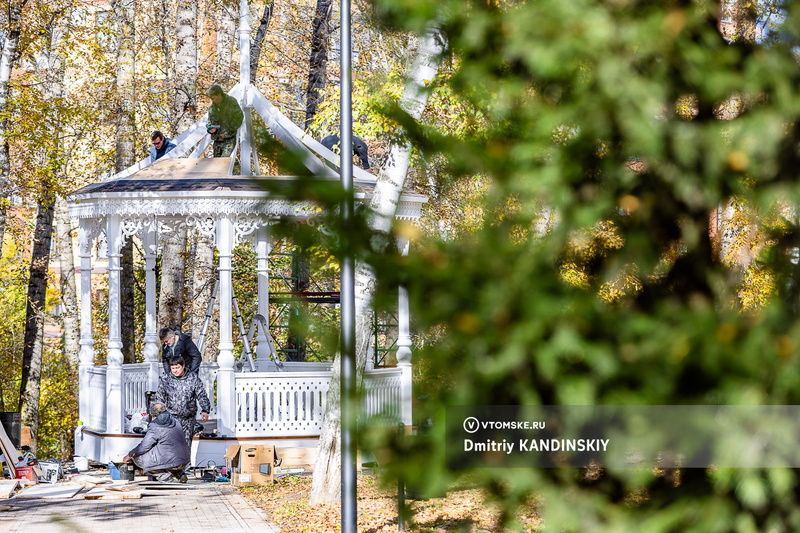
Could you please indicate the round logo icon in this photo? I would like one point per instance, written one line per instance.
(471, 424)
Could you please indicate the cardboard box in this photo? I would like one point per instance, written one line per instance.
(251, 465)
(50, 471)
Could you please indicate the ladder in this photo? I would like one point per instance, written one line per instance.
(247, 336)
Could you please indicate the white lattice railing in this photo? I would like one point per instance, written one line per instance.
(267, 403)
(134, 385)
(381, 398)
(96, 377)
(293, 403)
(208, 375)
(280, 403)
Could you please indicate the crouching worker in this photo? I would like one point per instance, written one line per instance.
(163, 449)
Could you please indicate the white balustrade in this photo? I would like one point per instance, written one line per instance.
(267, 404)
(134, 385)
(280, 403)
(208, 375)
(96, 418)
(381, 397)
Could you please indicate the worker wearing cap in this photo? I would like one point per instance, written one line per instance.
(224, 118)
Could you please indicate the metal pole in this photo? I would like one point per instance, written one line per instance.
(401, 488)
(348, 301)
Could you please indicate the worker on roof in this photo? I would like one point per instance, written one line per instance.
(359, 148)
(161, 145)
(224, 118)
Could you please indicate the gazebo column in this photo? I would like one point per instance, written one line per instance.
(114, 358)
(86, 342)
(151, 341)
(404, 349)
(226, 378)
(263, 249)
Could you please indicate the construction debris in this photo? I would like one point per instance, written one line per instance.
(8, 487)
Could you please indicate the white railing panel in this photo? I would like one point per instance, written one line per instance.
(381, 398)
(134, 385)
(282, 403)
(97, 398)
(208, 375)
(267, 403)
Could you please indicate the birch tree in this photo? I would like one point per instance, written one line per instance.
(173, 259)
(66, 281)
(125, 135)
(326, 484)
(51, 168)
(9, 55)
(225, 41)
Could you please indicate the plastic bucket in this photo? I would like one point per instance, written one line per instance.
(81, 463)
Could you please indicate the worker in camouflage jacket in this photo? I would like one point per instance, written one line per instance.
(180, 391)
(224, 118)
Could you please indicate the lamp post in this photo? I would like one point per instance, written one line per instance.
(347, 282)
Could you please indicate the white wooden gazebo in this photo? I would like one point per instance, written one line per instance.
(279, 403)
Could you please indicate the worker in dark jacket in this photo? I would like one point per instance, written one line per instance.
(180, 391)
(359, 148)
(161, 145)
(177, 343)
(163, 448)
(224, 118)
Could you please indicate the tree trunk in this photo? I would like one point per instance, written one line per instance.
(173, 258)
(203, 282)
(34, 318)
(185, 97)
(8, 59)
(296, 344)
(326, 484)
(35, 313)
(173, 278)
(125, 15)
(258, 41)
(226, 31)
(68, 289)
(318, 64)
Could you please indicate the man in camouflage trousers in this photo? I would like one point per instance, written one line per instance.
(180, 391)
(224, 118)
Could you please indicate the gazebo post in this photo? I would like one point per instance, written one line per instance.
(226, 378)
(263, 248)
(151, 340)
(404, 349)
(114, 357)
(86, 354)
(245, 136)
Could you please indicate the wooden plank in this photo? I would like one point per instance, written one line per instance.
(9, 451)
(157, 485)
(7, 488)
(57, 491)
(25, 438)
(298, 456)
(102, 493)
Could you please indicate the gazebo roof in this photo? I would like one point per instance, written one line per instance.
(202, 187)
(183, 183)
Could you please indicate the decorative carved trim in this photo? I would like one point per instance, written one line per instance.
(245, 226)
(130, 226)
(206, 225)
(133, 208)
